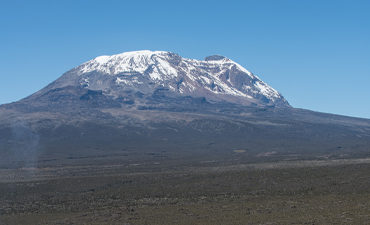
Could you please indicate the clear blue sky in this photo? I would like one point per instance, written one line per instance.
(315, 52)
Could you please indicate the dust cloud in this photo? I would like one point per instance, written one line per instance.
(24, 145)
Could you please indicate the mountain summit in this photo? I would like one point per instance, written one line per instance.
(145, 73)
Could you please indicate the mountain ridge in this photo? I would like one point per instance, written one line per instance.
(216, 78)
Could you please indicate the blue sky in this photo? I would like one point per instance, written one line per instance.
(316, 53)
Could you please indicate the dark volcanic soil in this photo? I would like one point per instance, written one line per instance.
(285, 192)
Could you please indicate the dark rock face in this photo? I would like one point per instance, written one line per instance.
(214, 57)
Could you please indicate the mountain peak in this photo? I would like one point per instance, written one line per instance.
(214, 58)
(216, 78)
(134, 54)
(127, 61)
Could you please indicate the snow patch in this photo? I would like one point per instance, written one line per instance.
(158, 66)
(102, 59)
(128, 82)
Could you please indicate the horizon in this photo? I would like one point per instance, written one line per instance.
(314, 53)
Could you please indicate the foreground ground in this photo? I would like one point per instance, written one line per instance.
(293, 192)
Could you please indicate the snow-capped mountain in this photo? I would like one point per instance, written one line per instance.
(216, 78)
(148, 106)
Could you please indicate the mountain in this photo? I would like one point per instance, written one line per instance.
(157, 107)
(147, 74)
